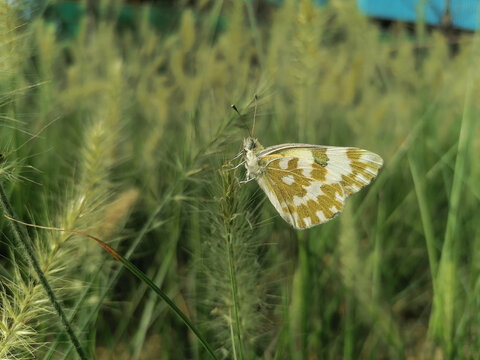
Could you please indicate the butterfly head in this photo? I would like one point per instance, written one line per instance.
(250, 144)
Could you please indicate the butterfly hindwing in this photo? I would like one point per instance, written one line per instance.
(299, 191)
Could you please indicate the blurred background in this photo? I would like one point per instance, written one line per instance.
(115, 120)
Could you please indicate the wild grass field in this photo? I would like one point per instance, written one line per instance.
(126, 134)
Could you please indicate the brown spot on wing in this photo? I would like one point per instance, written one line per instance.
(271, 162)
(275, 175)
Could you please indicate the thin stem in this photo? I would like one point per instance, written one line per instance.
(137, 273)
(232, 337)
(23, 243)
(88, 318)
(233, 283)
(426, 219)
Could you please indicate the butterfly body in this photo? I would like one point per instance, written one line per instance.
(308, 184)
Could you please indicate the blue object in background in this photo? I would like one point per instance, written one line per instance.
(464, 13)
(316, 2)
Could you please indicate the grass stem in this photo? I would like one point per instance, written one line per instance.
(23, 242)
(137, 273)
(236, 304)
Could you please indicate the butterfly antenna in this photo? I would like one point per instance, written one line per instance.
(255, 97)
(235, 108)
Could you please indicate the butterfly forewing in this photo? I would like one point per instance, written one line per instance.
(356, 167)
(308, 184)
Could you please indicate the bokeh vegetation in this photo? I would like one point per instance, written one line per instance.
(123, 133)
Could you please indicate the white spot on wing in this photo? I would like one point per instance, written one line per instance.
(288, 179)
(295, 215)
(321, 216)
(370, 157)
(297, 200)
(362, 179)
(306, 165)
(355, 188)
(314, 189)
(307, 221)
(283, 163)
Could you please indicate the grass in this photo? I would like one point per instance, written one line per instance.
(124, 134)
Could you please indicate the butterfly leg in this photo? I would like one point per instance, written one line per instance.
(246, 181)
(236, 166)
(238, 155)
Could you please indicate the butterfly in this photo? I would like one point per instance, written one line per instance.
(308, 184)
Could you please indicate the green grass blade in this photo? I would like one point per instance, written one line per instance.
(113, 279)
(236, 311)
(23, 243)
(137, 273)
(425, 216)
(140, 275)
(443, 320)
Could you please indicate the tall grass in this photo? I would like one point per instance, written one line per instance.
(124, 133)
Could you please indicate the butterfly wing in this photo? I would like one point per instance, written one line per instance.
(308, 184)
